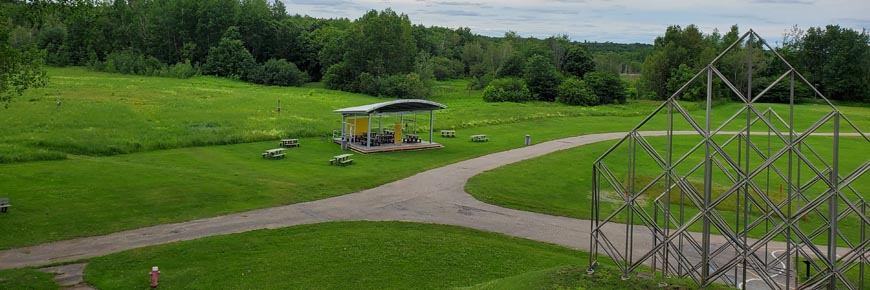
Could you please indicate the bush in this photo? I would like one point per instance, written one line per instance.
(607, 86)
(129, 62)
(574, 91)
(181, 70)
(507, 90)
(481, 82)
(278, 73)
(229, 58)
(542, 78)
(408, 86)
(339, 77)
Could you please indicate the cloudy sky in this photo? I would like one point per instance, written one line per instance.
(605, 20)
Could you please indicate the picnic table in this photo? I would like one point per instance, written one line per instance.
(4, 205)
(277, 153)
(479, 138)
(289, 143)
(448, 133)
(343, 159)
(411, 138)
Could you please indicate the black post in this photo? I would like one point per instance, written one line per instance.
(808, 268)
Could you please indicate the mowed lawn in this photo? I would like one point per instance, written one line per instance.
(85, 196)
(91, 194)
(560, 183)
(357, 255)
(108, 114)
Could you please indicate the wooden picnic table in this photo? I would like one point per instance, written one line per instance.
(4, 205)
(448, 133)
(277, 153)
(343, 159)
(289, 143)
(479, 138)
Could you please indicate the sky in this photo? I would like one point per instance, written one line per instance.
(621, 21)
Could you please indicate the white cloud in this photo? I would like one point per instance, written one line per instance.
(605, 20)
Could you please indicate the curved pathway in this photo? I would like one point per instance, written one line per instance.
(434, 196)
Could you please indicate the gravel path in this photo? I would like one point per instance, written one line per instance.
(434, 196)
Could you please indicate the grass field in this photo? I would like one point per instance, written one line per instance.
(55, 200)
(560, 183)
(26, 279)
(356, 255)
(108, 114)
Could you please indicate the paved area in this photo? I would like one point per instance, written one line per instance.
(434, 196)
(69, 277)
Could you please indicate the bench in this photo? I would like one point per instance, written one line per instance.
(289, 143)
(274, 154)
(4, 205)
(479, 138)
(343, 159)
(448, 133)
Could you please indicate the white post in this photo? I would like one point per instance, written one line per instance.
(343, 126)
(431, 123)
(369, 133)
(380, 122)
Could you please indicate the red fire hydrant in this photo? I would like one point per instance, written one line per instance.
(155, 274)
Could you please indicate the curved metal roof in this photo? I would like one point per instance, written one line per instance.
(397, 106)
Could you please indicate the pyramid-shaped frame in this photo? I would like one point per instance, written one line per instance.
(715, 214)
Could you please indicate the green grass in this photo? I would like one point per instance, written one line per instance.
(575, 277)
(352, 255)
(106, 114)
(26, 278)
(560, 183)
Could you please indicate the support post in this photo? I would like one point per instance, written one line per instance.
(343, 127)
(708, 173)
(369, 133)
(833, 202)
(789, 217)
(431, 123)
(380, 124)
(746, 167)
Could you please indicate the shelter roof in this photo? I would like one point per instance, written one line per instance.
(397, 106)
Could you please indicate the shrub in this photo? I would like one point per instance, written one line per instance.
(408, 86)
(507, 90)
(574, 91)
(129, 62)
(278, 73)
(481, 82)
(542, 78)
(339, 77)
(229, 58)
(181, 70)
(607, 86)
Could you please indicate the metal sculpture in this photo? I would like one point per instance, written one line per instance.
(677, 223)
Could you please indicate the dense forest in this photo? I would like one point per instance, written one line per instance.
(383, 54)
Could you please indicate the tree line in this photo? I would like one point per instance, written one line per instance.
(383, 54)
(380, 53)
(834, 59)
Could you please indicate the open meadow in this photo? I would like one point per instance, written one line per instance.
(123, 152)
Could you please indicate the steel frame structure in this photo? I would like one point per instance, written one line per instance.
(730, 255)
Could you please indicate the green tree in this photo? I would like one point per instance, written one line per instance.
(542, 78)
(835, 59)
(19, 69)
(574, 91)
(577, 61)
(380, 43)
(507, 90)
(229, 58)
(607, 86)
